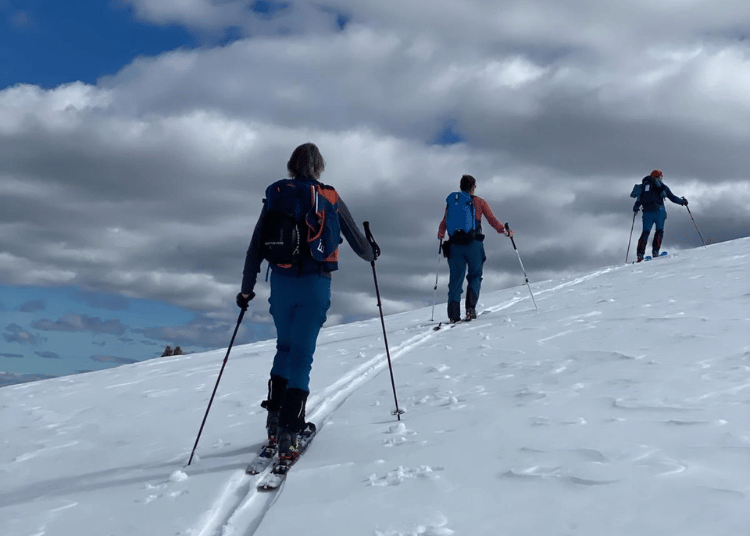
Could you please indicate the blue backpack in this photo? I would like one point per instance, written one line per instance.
(301, 226)
(460, 218)
(650, 193)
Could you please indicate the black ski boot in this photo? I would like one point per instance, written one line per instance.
(641, 248)
(291, 422)
(471, 304)
(276, 390)
(656, 244)
(454, 311)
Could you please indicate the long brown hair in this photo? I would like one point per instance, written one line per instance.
(306, 161)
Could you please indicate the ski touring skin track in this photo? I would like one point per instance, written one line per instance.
(241, 506)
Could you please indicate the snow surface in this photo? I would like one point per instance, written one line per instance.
(621, 407)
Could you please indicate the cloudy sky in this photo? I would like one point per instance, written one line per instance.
(137, 138)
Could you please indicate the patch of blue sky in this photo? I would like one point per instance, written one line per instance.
(268, 8)
(342, 19)
(448, 135)
(59, 331)
(52, 43)
(231, 34)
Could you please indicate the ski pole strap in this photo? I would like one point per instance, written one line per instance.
(371, 240)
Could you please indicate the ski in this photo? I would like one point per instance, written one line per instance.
(273, 479)
(262, 460)
(449, 325)
(649, 257)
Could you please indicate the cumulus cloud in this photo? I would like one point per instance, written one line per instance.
(48, 355)
(110, 302)
(249, 17)
(73, 322)
(148, 184)
(32, 306)
(15, 333)
(110, 359)
(8, 378)
(213, 332)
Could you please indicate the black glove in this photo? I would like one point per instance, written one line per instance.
(371, 240)
(243, 302)
(636, 208)
(684, 202)
(375, 250)
(446, 247)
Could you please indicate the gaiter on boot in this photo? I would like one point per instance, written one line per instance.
(291, 421)
(276, 390)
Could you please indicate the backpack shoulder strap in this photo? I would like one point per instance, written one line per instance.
(329, 192)
(277, 188)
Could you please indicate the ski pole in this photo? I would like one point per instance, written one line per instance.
(522, 268)
(635, 213)
(397, 412)
(226, 357)
(434, 299)
(696, 225)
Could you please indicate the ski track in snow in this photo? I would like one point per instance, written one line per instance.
(240, 508)
(231, 516)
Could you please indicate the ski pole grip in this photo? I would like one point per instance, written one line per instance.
(507, 228)
(370, 239)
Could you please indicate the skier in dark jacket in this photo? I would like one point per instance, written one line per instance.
(300, 298)
(469, 255)
(651, 198)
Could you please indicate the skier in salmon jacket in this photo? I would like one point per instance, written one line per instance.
(298, 232)
(463, 223)
(650, 195)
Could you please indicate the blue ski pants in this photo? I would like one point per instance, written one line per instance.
(651, 218)
(465, 256)
(654, 217)
(298, 306)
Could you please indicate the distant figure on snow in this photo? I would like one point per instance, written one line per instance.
(167, 351)
(463, 223)
(651, 196)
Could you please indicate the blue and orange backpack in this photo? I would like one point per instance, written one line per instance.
(301, 227)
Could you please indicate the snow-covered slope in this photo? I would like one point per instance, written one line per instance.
(620, 407)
